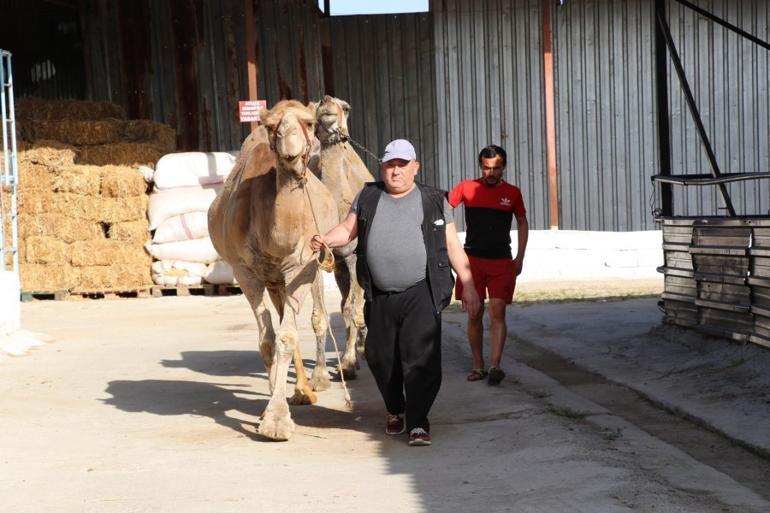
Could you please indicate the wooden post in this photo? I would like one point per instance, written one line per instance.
(251, 51)
(550, 117)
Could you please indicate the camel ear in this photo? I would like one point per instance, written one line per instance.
(313, 107)
(345, 106)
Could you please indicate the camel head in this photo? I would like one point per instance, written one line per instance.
(332, 115)
(290, 130)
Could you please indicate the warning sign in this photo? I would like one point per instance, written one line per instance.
(249, 110)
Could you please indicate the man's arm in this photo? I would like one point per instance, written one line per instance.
(459, 262)
(523, 236)
(338, 236)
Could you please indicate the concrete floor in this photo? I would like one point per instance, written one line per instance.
(151, 405)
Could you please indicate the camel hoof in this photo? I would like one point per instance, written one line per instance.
(348, 371)
(320, 381)
(276, 427)
(302, 397)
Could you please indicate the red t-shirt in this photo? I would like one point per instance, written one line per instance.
(489, 211)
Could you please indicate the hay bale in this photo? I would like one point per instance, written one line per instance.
(72, 131)
(34, 176)
(46, 250)
(78, 180)
(108, 252)
(28, 107)
(97, 208)
(120, 210)
(119, 182)
(51, 154)
(48, 278)
(141, 130)
(35, 201)
(133, 231)
(79, 206)
(65, 228)
(113, 277)
(120, 154)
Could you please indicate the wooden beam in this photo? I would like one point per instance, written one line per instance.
(550, 117)
(251, 51)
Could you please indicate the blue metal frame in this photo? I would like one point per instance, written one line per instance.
(9, 172)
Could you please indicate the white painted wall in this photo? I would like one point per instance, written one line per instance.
(10, 303)
(578, 255)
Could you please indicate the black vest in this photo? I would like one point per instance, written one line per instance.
(438, 273)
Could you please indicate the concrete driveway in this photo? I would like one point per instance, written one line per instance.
(151, 405)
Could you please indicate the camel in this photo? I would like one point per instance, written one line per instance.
(260, 223)
(344, 173)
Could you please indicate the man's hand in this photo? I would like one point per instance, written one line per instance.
(518, 264)
(317, 242)
(471, 302)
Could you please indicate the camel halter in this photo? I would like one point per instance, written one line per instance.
(346, 138)
(327, 264)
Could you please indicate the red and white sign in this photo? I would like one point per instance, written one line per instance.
(249, 110)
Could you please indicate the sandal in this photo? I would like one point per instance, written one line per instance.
(477, 375)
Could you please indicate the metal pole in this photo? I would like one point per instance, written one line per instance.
(550, 117)
(694, 111)
(664, 130)
(727, 25)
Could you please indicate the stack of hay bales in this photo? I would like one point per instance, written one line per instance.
(82, 200)
(185, 186)
(98, 130)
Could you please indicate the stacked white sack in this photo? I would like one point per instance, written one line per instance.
(185, 186)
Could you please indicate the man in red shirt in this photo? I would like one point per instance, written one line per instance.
(490, 204)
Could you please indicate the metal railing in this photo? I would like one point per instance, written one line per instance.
(9, 170)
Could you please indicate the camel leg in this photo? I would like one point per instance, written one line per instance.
(277, 423)
(303, 391)
(254, 290)
(349, 364)
(358, 310)
(320, 379)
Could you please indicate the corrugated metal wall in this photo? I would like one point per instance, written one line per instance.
(454, 80)
(489, 89)
(605, 110)
(729, 77)
(178, 61)
(381, 65)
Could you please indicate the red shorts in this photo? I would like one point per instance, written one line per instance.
(495, 275)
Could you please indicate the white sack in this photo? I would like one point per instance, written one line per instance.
(179, 268)
(174, 202)
(219, 273)
(192, 225)
(197, 250)
(192, 169)
(172, 273)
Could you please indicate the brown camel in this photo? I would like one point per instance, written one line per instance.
(344, 173)
(260, 224)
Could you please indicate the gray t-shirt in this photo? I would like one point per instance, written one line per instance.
(395, 249)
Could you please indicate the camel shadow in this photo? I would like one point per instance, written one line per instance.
(232, 405)
(172, 397)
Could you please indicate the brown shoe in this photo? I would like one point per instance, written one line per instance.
(394, 424)
(419, 437)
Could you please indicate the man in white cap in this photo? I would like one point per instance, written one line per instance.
(406, 243)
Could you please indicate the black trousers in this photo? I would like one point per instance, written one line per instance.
(403, 351)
